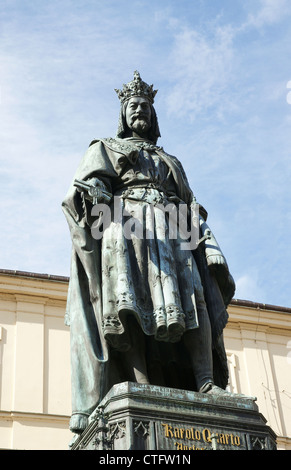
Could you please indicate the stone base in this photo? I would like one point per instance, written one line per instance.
(146, 417)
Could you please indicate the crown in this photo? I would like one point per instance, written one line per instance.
(136, 88)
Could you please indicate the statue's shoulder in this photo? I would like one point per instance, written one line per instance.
(116, 144)
(174, 160)
(177, 166)
(99, 142)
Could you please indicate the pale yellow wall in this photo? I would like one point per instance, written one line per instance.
(35, 362)
(256, 341)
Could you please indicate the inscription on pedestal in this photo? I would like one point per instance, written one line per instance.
(175, 437)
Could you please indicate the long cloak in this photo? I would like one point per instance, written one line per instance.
(94, 365)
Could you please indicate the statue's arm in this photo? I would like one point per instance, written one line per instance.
(94, 190)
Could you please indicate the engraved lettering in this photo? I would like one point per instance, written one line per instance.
(221, 439)
(168, 430)
(206, 435)
(237, 440)
(188, 433)
(192, 434)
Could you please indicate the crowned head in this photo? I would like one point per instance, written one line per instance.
(137, 87)
(137, 113)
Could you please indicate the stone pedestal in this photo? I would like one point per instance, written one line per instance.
(146, 417)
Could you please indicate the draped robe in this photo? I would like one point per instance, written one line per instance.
(149, 277)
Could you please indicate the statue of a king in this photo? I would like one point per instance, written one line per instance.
(142, 306)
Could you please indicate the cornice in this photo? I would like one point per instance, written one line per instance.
(64, 280)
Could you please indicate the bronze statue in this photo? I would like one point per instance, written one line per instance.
(140, 307)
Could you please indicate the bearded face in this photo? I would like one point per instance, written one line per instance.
(138, 115)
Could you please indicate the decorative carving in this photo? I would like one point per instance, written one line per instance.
(258, 443)
(141, 428)
(117, 430)
(101, 440)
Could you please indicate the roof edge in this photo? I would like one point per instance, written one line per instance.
(56, 278)
(28, 274)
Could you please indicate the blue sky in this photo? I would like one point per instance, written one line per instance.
(222, 70)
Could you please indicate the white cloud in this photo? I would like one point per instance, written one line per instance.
(270, 12)
(200, 69)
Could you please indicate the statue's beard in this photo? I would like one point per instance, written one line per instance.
(140, 125)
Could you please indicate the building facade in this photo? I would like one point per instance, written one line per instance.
(35, 388)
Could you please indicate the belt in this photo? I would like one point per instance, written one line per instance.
(150, 193)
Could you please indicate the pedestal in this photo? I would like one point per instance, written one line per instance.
(146, 417)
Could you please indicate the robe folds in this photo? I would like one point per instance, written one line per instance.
(136, 269)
